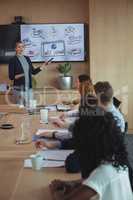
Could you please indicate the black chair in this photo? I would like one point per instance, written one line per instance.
(116, 102)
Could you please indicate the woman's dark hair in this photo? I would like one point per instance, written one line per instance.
(98, 139)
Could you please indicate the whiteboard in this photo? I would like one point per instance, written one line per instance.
(62, 42)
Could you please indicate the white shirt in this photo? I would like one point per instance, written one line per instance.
(115, 112)
(118, 117)
(109, 183)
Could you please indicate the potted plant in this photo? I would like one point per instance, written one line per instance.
(65, 80)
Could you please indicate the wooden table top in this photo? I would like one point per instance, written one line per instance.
(17, 182)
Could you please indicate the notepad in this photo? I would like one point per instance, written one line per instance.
(51, 107)
(61, 107)
(45, 163)
(42, 130)
(55, 155)
(51, 158)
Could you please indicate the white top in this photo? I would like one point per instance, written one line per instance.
(109, 183)
(118, 117)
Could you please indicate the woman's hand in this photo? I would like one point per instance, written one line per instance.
(66, 186)
(60, 189)
(60, 123)
(47, 134)
(45, 64)
(57, 194)
(40, 144)
(62, 116)
(71, 190)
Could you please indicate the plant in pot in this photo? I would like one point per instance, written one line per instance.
(65, 80)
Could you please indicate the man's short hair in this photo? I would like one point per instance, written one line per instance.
(105, 91)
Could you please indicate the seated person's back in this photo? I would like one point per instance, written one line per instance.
(104, 92)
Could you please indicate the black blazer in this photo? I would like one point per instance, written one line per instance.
(16, 68)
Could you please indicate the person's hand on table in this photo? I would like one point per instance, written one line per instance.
(65, 185)
(60, 188)
(59, 123)
(47, 134)
(40, 144)
(62, 116)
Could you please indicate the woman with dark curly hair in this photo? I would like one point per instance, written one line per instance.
(103, 160)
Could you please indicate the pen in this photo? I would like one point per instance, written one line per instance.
(53, 160)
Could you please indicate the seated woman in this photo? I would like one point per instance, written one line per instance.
(64, 138)
(103, 159)
(86, 89)
(84, 86)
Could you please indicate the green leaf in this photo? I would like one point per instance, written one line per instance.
(64, 68)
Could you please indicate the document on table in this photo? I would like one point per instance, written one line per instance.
(61, 107)
(51, 107)
(55, 155)
(45, 163)
(51, 158)
(42, 130)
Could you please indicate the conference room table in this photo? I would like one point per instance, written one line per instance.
(17, 182)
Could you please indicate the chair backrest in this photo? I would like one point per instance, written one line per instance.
(116, 102)
(126, 127)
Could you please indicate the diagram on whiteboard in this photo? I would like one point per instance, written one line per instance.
(62, 42)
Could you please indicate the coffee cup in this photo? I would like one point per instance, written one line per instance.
(36, 161)
(44, 115)
(32, 104)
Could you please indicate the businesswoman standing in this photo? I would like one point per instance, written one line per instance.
(20, 72)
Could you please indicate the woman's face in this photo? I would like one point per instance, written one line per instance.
(19, 48)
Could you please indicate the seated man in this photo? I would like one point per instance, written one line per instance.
(104, 92)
